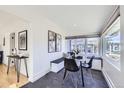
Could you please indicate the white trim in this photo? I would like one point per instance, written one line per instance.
(113, 63)
(109, 28)
(109, 21)
(109, 81)
(38, 76)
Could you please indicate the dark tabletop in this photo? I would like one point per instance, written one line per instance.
(17, 56)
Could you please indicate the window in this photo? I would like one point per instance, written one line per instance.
(78, 44)
(86, 45)
(112, 41)
(92, 46)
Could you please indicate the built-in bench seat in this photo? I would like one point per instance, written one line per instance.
(57, 65)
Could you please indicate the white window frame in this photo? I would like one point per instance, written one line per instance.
(86, 46)
(114, 63)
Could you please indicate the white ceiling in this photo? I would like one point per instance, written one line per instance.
(79, 19)
(6, 19)
(75, 19)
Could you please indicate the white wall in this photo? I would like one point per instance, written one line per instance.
(115, 76)
(38, 37)
(17, 26)
(40, 46)
(0, 42)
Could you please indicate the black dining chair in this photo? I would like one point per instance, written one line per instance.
(70, 65)
(89, 64)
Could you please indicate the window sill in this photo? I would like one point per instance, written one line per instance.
(115, 64)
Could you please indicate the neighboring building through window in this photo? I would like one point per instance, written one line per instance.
(112, 39)
(111, 43)
(78, 44)
(85, 45)
(92, 46)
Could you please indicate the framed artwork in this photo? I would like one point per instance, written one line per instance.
(58, 42)
(51, 41)
(22, 40)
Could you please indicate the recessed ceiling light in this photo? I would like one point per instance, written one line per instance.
(74, 25)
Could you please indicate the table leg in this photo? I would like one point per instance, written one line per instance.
(8, 65)
(26, 68)
(82, 74)
(18, 65)
(15, 63)
(101, 63)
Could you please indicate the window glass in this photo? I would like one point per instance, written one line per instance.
(78, 44)
(112, 41)
(92, 46)
(86, 45)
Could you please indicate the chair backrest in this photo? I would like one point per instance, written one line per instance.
(70, 64)
(90, 62)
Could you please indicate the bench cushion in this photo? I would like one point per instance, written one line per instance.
(57, 61)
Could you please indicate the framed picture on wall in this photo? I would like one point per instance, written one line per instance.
(51, 41)
(58, 42)
(22, 40)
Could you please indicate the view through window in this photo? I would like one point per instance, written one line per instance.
(86, 45)
(78, 44)
(92, 45)
(112, 38)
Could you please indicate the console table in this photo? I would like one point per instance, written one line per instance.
(17, 62)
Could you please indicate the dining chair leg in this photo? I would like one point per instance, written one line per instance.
(64, 74)
(8, 65)
(26, 68)
(82, 77)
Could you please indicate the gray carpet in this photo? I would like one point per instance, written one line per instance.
(92, 79)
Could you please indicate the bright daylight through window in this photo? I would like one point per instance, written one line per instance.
(86, 45)
(92, 46)
(112, 41)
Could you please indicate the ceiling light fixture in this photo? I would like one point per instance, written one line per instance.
(74, 25)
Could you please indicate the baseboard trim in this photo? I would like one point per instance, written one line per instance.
(38, 76)
(109, 81)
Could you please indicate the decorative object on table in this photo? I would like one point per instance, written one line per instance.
(58, 42)
(76, 51)
(51, 41)
(4, 41)
(22, 40)
(14, 51)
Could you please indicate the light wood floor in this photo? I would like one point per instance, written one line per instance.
(10, 80)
